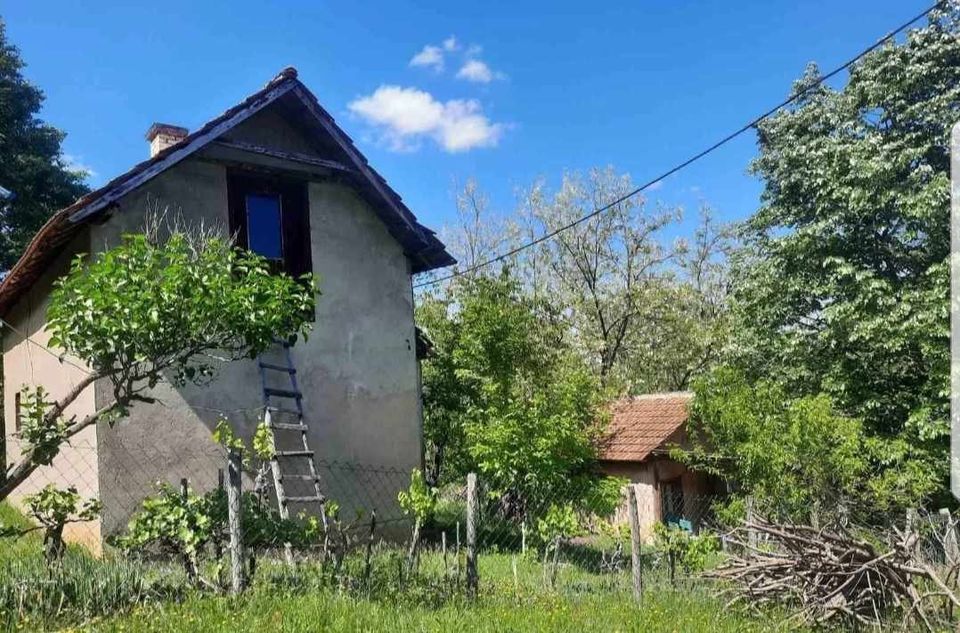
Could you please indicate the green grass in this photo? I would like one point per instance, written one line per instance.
(581, 602)
(265, 611)
(113, 594)
(16, 549)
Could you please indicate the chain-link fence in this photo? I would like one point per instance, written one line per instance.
(574, 535)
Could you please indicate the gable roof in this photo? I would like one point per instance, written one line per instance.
(642, 424)
(420, 244)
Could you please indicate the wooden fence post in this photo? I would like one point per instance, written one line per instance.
(472, 579)
(951, 549)
(635, 552)
(366, 564)
(218, 541)
(189, 563)
(234, 471)
(751, 533)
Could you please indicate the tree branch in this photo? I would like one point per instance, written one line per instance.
(26, 466)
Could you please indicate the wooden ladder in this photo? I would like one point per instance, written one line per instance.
(284, 458)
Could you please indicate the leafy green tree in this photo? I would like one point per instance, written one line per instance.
(33, 167)
(149, 311)
(504, 395)
(644, 314)
(799, 458)
(843, 286)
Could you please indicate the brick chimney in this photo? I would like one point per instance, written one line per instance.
(162, 135)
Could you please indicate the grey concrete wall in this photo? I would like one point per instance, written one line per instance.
(357, 370)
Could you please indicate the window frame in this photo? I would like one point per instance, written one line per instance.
(266, 194)
(295, 244)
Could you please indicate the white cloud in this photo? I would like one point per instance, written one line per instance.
(405, 116)
(450, 44)
(430, 56)
(477, 71)
(75, 163)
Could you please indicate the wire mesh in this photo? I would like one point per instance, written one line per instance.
(573, 536)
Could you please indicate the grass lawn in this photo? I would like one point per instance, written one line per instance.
(514, 597)
(662, 610)
(16, 549)
(582, 602)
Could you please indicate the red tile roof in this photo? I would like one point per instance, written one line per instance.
(641, 424)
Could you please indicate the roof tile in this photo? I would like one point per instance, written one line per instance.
(642, 424)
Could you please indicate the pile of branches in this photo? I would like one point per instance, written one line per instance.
(829, 575)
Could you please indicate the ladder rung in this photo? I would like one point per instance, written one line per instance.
(294, 453)
(289, 370)
(302, 477)
(313, 499)
(283, 393)
(283, 410)
(283, 426)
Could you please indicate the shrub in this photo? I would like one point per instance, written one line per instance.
(81, 587)
(53, 508)
(693, 552)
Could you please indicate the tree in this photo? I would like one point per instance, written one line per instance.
(603, 270)
(504, 395)
(843, 286)
(643, 315)
(646, 314)
(479, 234)
(152, 310)
(798, 456)
(33, 167)
(792, 456)
(684, 327)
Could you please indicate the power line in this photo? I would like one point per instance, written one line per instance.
(709, 150)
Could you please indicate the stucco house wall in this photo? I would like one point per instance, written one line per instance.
(358, 369)
(26, 363)
(649, 479)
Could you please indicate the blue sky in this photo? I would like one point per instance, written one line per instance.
(509, 91)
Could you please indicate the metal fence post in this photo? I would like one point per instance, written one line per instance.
(635, 553)
(234, 470)
(472, 579)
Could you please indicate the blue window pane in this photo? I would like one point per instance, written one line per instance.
(263, 225)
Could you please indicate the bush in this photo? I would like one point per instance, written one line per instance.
(81, 587)
(692, 552)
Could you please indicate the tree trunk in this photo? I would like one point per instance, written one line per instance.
(414, 545)
(53, 544)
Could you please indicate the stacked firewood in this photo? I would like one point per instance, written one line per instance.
(827, 575)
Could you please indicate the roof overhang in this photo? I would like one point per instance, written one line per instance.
(420, 244)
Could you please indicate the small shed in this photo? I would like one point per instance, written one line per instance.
(641, 432)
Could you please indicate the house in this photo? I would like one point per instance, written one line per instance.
(279, 173)
(641, 432)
